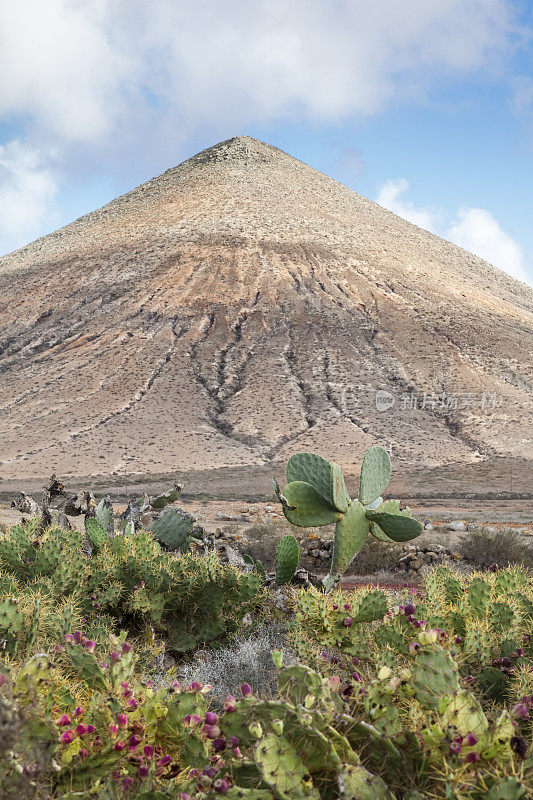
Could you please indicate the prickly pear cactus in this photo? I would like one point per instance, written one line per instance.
(172, 529)
(357, 782)
(281, 766)
(287, 556)
(316, 495)
(105, 515)
(97, 535)
(375, 474)
(351, 533)
(373, 606)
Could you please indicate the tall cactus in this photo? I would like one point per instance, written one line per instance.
(316, 495)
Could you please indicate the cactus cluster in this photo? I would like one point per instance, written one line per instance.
(316, 495)
(126, 579)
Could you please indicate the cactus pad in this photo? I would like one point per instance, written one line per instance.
(287, 555)
(397, 527)
(351, 533)
(97, 535)
(357, 782)
(309, 508)
(280, 764)
(172, 529)
(375, 474)
(311, 469)
(339, 495)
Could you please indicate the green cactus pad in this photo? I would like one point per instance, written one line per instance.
(434, 677)
(375, 474)
(280, 764)
(351, 533)
(339, 496)
(465, 715)
(358, 783)
(287, 556)
(164, 499)
(373, 606)
(172, 528)
(309, 507)
(97, 535)
(396, 527)
(105, 516)
(312, 469)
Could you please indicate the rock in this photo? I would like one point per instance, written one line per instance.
(315, 553)
(228, 517)
(323, 554)
(472, 527)
(489, 529)
(456, 525)
(428, 526)
(233, 557)
(416, 564)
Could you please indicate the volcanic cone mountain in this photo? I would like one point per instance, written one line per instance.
(243, 306)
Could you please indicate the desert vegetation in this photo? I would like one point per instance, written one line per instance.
(136, 663)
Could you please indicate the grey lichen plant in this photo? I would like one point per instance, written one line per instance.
(316, 495)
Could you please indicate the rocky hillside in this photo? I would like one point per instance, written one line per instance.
(243, 306)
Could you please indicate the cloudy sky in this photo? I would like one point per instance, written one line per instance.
(425, 106)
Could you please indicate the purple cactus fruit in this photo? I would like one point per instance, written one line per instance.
(233, 741)
(455, 747)
(81, 729)
(120, 745)
(211, 731)
(211, 718)
(164, 761)
(347, 606)
(472, 757)
(409, 609)
(347, 622)
(77, 637)
(126, 647)
(221, 786)
(219, 745)
(335, 606)
(67, 737)
(229, 704)
(210, 772)
(519, 746)
(471, 740)
(143, 772)
(90, 729)
(64, 719)
(246, 690)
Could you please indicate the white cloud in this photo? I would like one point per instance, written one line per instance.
(391, 196)
(475, 229)
(83, 69)
(27, 195)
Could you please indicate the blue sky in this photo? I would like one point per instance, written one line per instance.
(425, 106)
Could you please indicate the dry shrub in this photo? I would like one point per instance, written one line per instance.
(504, 548)
(375, 557)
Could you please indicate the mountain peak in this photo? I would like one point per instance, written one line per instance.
(235, 150)
(243, 306)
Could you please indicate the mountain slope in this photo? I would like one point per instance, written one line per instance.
(242, 306)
